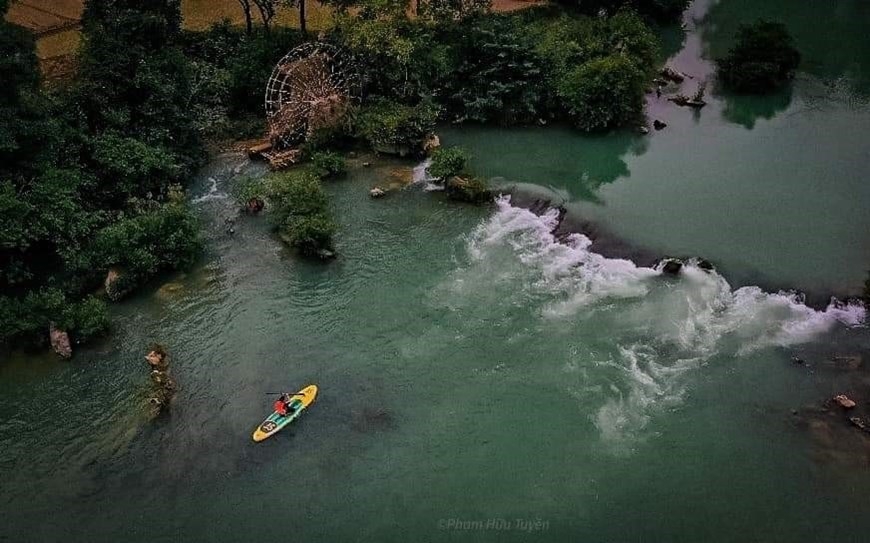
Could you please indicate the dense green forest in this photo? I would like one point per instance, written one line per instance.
(92, 172)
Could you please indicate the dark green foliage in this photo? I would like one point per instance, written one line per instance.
(90, 318)
(133, 78)
(234, 66)
(134, 167)
(393, 127)
(763, 59)
(448, 11)
(498, 75)
(398, 58)
(328, 163)
(310, 234)
(143, 245)
(660, 10)
(447, 162)
(603, 93)
(468, 189)
(85, 174)
(300, 211)
(31, 315)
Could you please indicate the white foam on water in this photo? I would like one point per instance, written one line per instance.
(420, 176)
(661, 327)
(212, 194)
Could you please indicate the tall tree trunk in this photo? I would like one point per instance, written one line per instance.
(302, 16)
(246, 8)
(267, 12)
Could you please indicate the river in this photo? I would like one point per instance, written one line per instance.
(480, 381)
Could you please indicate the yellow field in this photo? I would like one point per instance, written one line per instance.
(48, 18)
(200, 14)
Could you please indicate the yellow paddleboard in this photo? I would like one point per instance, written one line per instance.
(274, 422)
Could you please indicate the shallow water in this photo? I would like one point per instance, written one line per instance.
(472, 371)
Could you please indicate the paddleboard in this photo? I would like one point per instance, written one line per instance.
(275, 422)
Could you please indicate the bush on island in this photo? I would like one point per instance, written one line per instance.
(300, 211)
(447, 162)
(391, 127)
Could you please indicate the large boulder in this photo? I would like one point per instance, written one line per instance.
(59, 341)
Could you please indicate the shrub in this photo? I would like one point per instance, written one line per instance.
(603, 93)
(30, 316)
(447, 162)
(309, 234)
(90, 318)
(763, 59)
(328, 163)
(392, 127)
(143, 245)
(300, 211)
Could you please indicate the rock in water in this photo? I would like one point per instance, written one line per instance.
(431, 143)
(705, 265)
(859, 423)
(672, 267)
(254, 206)
(377, 192)
(59, 341)
(658, 125)
(673, 75)
(115, 284)
(844, 401)
(849, 362)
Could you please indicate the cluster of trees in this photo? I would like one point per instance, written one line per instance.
(299, 207)
(763, 58)
(89, 173)
(513, 68)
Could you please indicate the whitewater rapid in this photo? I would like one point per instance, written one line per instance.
(658, 329)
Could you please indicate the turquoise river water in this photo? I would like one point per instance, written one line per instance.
(480, 381)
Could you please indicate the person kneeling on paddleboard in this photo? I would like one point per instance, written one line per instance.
(281, 406)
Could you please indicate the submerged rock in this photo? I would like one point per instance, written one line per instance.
(658, 125)
(59, 341)
(859, 423)
(848, 362)
(643, 130)
(377, 192)
(325, 254)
